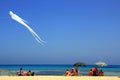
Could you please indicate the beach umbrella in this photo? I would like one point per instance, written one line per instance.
(80, 64)
(101, 64)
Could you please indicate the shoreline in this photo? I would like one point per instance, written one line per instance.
(59, 77)
(55, 70)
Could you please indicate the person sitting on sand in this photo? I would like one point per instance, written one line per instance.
(101, 73)
(21, 72)
(33, 73)
(95, 71)
(73, 72)
(90, 73)
(29, 73)
(67, 73)
(24, 73)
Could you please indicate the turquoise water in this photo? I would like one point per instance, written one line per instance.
(59, 70)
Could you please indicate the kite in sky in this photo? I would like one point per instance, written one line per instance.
(23, 22)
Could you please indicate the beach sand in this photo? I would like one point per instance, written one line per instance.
(59, 78)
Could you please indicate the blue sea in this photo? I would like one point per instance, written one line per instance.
(57, 70)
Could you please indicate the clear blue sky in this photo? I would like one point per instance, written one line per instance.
(75, 30)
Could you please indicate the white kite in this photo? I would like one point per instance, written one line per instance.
(22, 21)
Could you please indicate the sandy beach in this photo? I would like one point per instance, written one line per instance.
(59, 78)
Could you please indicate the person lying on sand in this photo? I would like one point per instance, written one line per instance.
(67, 73)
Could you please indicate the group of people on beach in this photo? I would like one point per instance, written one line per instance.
(73, 72)
(92, 72)
(95, 72)
(21, 73)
